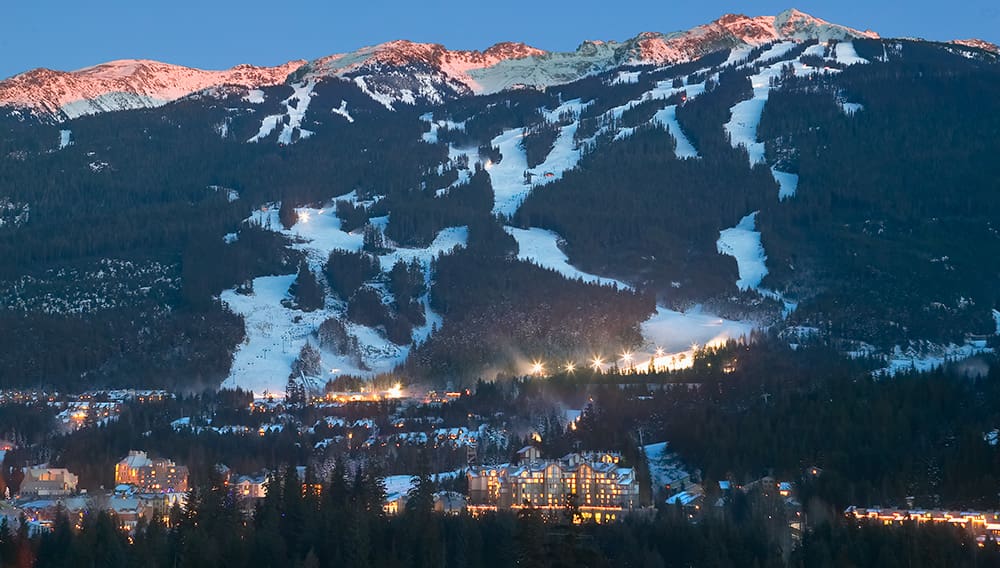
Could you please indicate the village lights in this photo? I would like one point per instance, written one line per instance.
(597, 362)
(570, 367)
(659, 352)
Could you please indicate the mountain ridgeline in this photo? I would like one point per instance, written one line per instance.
(448, 216)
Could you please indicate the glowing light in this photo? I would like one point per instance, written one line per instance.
(570, 367)
(537, 368)
(536, 437)
(659, 352)
(303, 216)
(597, 362)
(396, 391)
(627, 356)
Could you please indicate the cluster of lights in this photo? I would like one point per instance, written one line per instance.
(627, 358)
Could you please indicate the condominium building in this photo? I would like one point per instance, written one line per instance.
(147, 475)
(593, 482)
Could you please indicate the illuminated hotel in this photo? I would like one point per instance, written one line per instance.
(602, 488)
(151, 475)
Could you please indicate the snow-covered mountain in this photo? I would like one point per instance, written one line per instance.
(125, 84)
(403, 71)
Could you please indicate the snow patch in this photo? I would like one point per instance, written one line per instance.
(507, 177)
(742, 242)
(295, 111)
(668, 118)
(847, 55)
(254, 96)
(541, 247)
(342, 111)
(65, 138)
(788, 183)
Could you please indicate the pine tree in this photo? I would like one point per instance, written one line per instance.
(287, 214)
(306, 290)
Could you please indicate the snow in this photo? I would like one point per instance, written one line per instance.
(445, 241)
(254, 96)
(743, 122)
(668, 118)
(342, 111)
(737, 54)
(847, 55)
(541, 247)
(787, 183)
(626, 77)
(664, 466)
(126, 84)
(996, 318)
(399, 485)
(929, 357)
(776, 51)
(302, 95)
(992, 438)
(275, 333)
(267, 126)
(851, 108)
(65, 138)
(507, 177)
(676, 332)
(742, 242)
(295, 111)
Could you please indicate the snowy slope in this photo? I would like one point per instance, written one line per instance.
(742, 242)
(541, 247)
(125, 84)
(275, 333)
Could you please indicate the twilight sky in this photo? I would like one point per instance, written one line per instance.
(215, 34)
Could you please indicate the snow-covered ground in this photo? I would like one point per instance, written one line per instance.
(665, 467)
(342, 111)
(742, 242)
(788, 183)
(65, 138)
(507, 177)
(295, 111)
(399, 485)
(847, 55)
(254, 96)
(541, 247)
(745, 115)
(996, 318)
(930, 357)
(276, 333)
(668, 118)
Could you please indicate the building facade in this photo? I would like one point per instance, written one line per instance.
(147, 475)
(48, 482)
(594, 483)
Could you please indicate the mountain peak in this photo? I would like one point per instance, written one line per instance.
(125, 84)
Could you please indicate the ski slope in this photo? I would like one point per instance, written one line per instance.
(742, 242)
(541, 247)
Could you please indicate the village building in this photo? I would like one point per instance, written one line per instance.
(48, 482)
(594, 483)
(147, 475)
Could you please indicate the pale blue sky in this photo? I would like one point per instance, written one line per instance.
(213, 34)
